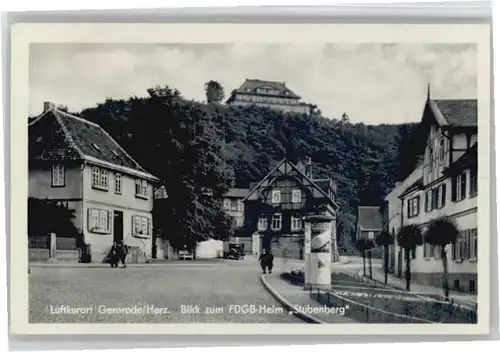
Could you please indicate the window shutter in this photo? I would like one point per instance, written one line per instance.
(454, 189)
(443, 199)
(89, 217)
(133, 224)
(463, 188)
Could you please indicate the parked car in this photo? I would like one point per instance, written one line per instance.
(235, 251)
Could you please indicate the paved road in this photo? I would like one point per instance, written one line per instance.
(154, 289)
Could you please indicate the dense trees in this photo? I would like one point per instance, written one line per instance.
(210, 145)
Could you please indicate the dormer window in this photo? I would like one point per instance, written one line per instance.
(96, 146)
(114, 152)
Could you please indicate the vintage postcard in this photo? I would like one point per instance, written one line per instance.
(250, 179)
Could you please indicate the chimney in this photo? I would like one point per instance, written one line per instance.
(308, 168)
(47, 105)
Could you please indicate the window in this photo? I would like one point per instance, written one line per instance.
(239, 221)
(296, 223)
(413, 206)
(141, 188)
(141, 226)
(473, 183)
(118, 183)
(473, 244)
(99, 178)
(428, 201)
(466, 245)
(99, 221)
(276, 222)
(296, 196)
(241, 206)
(441, 151)
(431, 159)
(428, 250)
(234, 204)
(441, 196)
(58, 175)
(227, 204)
(262, 225)
(276, 194)
(459, 187)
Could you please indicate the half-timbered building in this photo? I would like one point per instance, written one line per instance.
(276, 206)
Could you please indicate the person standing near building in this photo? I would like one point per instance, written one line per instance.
(122, 251)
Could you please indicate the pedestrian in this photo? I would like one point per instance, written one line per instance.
(263, 260)
(269, 261)
(113, 255)
(122, 251)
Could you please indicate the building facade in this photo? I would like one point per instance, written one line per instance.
(276, 206)
(368, 222)
(444, 185)
(275, 95)
(233, 204)
(77, 163)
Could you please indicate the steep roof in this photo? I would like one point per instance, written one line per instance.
(237, 193)
(455, 112)
(369, 218)
(285, 162)
(250, 86)
(467, 160)
(57, 135)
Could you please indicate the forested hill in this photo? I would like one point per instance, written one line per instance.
(361, 159)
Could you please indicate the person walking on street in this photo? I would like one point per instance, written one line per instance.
(263, 260)
(122, 251)
(113, 255)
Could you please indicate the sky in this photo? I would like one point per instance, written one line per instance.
(372, 83)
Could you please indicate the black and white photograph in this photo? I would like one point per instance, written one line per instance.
(247, 182)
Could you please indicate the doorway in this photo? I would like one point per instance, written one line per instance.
(117, 226)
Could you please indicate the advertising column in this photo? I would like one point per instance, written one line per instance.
(321, 250)
(256, 244)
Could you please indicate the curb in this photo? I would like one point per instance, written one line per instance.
(105, 265)
(457, 302)
(287, 305)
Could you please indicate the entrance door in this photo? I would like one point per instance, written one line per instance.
(117, 226)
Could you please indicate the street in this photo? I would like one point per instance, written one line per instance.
(177, 292)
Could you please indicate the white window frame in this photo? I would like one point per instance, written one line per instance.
(276, 196)
(99, 221)
(227, 204)
(296, 223)
(472, 184)
(100, 179)
(239, 221)
(473, 244)
(442, 148)
(141, 226)
(296, 196)
(141, 188)
(58, 175)
(118, 183)
(278, 218)
(428, 201)
(262, 223)
(241, 206)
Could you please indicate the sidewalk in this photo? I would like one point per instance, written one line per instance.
(155, 263)
(292, 296)
(400, 283)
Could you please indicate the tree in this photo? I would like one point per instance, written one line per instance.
(214, 91)
(409, 237)
(364, 246)
(385, 239)
(442, 232)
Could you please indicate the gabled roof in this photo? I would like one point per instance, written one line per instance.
(454, 112)
(291, 165)
(250, 87)
(57, 135)
(237, 193)
(418, 184)
(369, 218)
